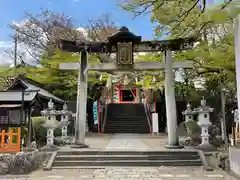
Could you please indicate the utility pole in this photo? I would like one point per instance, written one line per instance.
(15, 55)
(223, 119)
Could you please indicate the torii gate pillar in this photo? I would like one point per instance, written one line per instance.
(81, 113)
(170, 101)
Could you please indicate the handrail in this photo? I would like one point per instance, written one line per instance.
(11, 146)
(105, 118)
(149, 118)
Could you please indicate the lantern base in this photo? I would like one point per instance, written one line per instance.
(79, 145)
(206, 147)
(50, 148)
(173, 146)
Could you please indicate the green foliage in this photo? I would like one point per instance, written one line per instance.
(40, 131)
(214, 53)
(25, 133)
(61, 83)
(192, 128)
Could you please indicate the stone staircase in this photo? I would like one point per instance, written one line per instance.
(126, 118)
(97, 159)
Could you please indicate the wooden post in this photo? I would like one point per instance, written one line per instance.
(3, 138)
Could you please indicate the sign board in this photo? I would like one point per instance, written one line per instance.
(10, 117)
(124, 53)
(95, 112)
(155, 122)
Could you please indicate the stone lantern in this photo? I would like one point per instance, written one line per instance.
(204, 122)
(50, 124)
(65, 114)
(188, 113)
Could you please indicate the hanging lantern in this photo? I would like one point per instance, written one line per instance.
(118, 86)
(154, 79)
(100, 78)
(109, 82)
(125, 80)
(136, 79)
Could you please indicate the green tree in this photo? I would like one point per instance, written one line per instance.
(213, 55)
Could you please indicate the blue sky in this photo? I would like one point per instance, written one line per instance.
(80, 10)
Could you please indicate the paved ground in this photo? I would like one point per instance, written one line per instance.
(128, 142)
(124, 141)
(143, 173)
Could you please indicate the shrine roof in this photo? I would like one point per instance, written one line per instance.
(31, 85)
(10, 105)
(16, 96)
(41, 91)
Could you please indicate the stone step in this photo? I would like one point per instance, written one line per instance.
(124, 157)
(130, 163)
(128, 129)
(123, 126)
(126, 119)
(134, 131)
(126, 114)
(122, 119)
(129, 153)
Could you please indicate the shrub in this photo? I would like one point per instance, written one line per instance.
(192, 128)
(40, 132)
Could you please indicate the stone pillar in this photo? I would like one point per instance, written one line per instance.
(236, 117)
(237, 59)
(112, 94)
(234, 133)
(65, 121)
(81, 113)
(50, 136)
(170, 101)
(222, 128)
(139, 95)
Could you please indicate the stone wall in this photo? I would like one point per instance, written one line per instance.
(234, 159)
(23, 162)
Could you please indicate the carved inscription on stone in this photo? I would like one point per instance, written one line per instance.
(124, 53)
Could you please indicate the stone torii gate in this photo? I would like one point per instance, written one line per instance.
(124, 43)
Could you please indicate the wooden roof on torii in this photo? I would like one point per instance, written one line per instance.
(124, 35)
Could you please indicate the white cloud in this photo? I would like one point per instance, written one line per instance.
(4, 56)
(5, 44)
(7, 58)
(82, 30)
